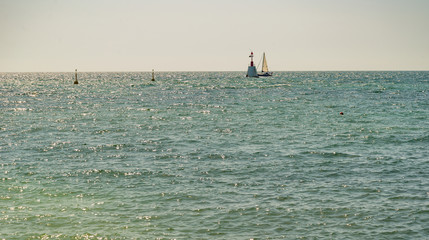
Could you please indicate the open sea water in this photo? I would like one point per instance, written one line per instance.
(214, 155)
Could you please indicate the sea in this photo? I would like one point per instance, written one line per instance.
(214, 155)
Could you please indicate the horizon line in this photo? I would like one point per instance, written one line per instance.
(137, 71)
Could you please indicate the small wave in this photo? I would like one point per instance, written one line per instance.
(21, 109)
(65, 236)
(108, 173)
(330, 154)
(215, 156)
(423, 139)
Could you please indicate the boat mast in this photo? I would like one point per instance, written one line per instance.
(263, 63)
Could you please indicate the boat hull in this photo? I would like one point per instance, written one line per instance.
(265, 74)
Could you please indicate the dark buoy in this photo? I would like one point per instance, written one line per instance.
(153, 75)
(341, 113)
(75, 77)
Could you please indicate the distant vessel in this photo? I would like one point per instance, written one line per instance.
(75, 77)
(251, 70)
(265, 72)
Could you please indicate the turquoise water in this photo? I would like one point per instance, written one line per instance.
(214, 155)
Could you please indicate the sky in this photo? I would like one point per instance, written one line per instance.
(215, 35)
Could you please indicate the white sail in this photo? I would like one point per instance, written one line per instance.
(264, 64)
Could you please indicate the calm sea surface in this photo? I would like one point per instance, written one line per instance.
(214, 155)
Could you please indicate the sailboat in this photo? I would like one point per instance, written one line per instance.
(265, 72)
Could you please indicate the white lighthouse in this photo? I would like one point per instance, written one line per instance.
(251, 70)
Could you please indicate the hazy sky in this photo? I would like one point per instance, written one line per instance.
(215, 35)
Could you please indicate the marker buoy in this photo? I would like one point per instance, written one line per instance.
(75, 77)
(341, 113)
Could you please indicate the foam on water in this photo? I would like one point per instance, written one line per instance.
(210, 155)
